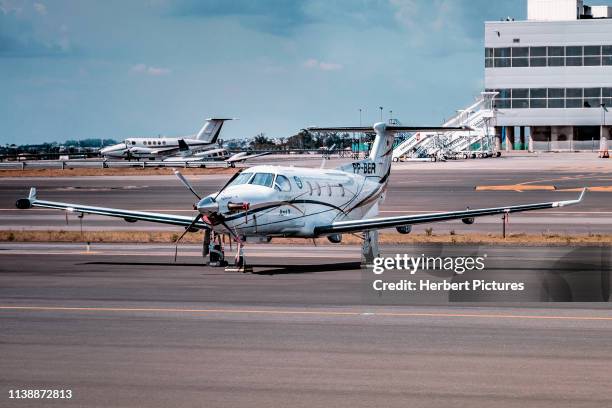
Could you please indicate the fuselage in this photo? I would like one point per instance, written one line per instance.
(292, 201)
(145, 147)
(210, 154)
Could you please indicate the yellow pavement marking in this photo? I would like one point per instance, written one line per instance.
(516, 187)
(300, 312)
(599, 189)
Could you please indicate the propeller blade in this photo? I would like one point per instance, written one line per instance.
(227, 183)
(186, 183)
(195, 220)
(231, 231)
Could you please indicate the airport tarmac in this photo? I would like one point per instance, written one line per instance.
(412, 190)
(123, 325)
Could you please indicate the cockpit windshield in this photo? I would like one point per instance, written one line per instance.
(242, 178)
(259, 179)
(263, 179)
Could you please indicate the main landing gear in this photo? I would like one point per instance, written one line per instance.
(213, 248)
(369, 248)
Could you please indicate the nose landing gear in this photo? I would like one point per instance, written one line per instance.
(214, 249)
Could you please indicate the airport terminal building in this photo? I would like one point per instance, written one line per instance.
(553, 75)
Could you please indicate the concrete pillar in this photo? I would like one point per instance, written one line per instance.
(570, 138)
(522, 144)
(530, 145)
(561, 138)
(498, 138)
(604, 136)
(509, 138)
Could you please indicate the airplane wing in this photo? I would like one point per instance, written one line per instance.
(236, 158)
(389, 222)
(127, 215)
(166, 150)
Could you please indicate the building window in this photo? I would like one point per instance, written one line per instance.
(556, 61)
(574, 51)
(538, 56)
(558, 98)
(502, 52)
(502, 62)
(502, 57)
(502, 103)
(537, 93)
(520, 103)
(549, 56)
(520, 52)
(592, 61)
(556, 103)
(520, 93)
(504, 93)
(556, 92)
(592, 50)
(520, 62)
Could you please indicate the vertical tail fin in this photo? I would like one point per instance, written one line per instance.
(211, 130)
(378, 163)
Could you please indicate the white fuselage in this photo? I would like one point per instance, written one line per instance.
(210, 154)
(293, 201)
(150, 147)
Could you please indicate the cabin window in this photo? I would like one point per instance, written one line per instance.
(282, 183)
(133, 142)
(309, 187)
(263, 179)
(164, 142)
(329, 190)
(341, 189)
(318, 188)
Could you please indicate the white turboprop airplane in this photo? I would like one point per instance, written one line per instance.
(262, 202)
(155, 147)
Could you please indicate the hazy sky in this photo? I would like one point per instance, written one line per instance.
(78, 69)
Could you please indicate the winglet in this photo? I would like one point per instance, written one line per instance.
(32, 196)
(571, 202)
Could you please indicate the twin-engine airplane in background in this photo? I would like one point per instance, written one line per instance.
(159, 147)
(262, 202)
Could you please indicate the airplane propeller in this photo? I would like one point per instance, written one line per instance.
(186, 183)
(195, 220)
(226, 184)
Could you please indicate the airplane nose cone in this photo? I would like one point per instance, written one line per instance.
(207, 206)
(113, 149)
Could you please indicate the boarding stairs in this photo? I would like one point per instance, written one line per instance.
(477, 117)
